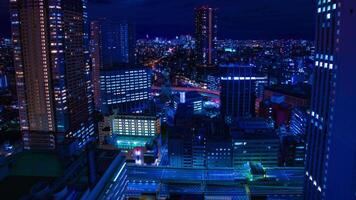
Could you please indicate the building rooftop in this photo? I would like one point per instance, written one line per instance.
(257, 135)
(18, 186)
(300, 90)
(135, 116)
(32, 164)
(74, 175)
(253, 128)
(252, 124)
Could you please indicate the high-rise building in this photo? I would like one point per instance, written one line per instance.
(112, 45)
(238, 90)
(331, 141)
(206, 35)
(125, 89)
(112, 42)
(52, 72)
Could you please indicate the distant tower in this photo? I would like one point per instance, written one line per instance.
(331, 141)
(51, 59)
(206, 35)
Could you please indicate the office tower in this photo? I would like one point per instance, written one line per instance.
(112, 46)
(254, 140)
(206, 35)
(125, 89)
(331, 142)
(52, 72)
(238, 90)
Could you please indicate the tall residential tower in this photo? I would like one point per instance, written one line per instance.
(52, 72)
(206, 35)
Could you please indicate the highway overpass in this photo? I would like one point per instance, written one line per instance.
(282, 182)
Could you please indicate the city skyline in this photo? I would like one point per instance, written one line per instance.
(147, 99)
(237, 20)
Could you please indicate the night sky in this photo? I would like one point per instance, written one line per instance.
(238, 19)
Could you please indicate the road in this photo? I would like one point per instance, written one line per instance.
(193, 175)
(191, 89)
(224, 182)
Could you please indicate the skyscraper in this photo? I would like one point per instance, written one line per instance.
(238, 90)
(112, 45)
(113, 41)
(206, 35)
(52, 72)
(331, 142)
